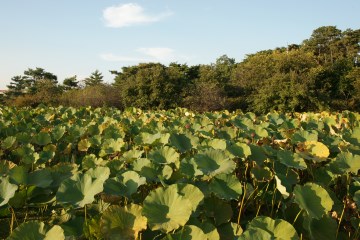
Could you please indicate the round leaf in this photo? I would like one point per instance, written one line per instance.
(166, 209)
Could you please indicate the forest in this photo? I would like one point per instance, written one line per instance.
(320, 74)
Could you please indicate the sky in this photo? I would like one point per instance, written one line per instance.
(77, 37)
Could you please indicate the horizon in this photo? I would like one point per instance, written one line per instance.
(75, 38)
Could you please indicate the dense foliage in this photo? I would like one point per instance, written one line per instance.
(322, 73)
(109, 174)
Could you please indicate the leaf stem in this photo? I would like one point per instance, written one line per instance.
(297, 216)
(341, 217)
(241, 207)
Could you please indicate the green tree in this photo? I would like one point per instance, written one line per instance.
(38, 77)
(18, 86)
(151, 85)
(70, 83)
(94, 79)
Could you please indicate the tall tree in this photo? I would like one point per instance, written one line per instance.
(71, 83)
(18, 86)
(95, 78)
(38, 77)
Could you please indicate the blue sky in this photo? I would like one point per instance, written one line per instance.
(76, 37)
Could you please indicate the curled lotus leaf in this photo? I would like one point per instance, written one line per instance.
(7, 190)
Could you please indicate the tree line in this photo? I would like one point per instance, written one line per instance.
(321, 73)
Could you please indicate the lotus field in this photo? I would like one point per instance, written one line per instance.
(68, 173)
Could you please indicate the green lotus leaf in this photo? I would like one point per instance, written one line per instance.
(303, 136)
(213, 162)
(58, 132)
(314, 199)
(167, 172)
(35, 230)
(217, 209)
(192, 193)
(132, 155)
(42, 138)
(257, 154)
(166, 209)
(316, 151)
(210, 230)
(41, 178)
(62, 171)
(181, 142)
(216, 143)
(80, 189)
(7, 190)
(8, 142)
(27, 154)
(189, 168)
(84, 145)
(229, 231)
(275, 229)
(91, 161)
(164, 155)
(354, 137)
(261, 174)
(256, 234)
(145, 138)
(122, 223)
(19, 175)
(323, 228)
(146, 168)
(259, 131)
(291, 159)
(188, 232)
(226, 186)
(346, 162)
(110, 146)
(125, 184)
(241, 150)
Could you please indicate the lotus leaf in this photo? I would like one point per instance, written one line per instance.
(122, 223)
(188, 232)
(181, 142)
(8, 142)
(218, 210)
(290, 159)
(125, 184)
(42, 138)
(240, 150)
(164, 155)
(226, 186)
(213, 162)
(192, 193)
(7, 190)
(314, 199)
(323, 228)
(34, 230)
(80, 189)
(346, 162)
(166, 209)
(84, 145)
(267, 228)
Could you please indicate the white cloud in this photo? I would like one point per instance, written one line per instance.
(158, 53)
(116, 58)
(129, 14)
